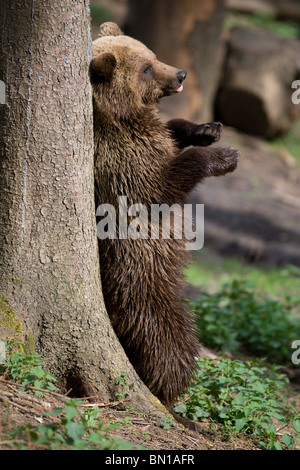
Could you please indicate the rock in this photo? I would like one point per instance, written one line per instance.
(253, 213)
(255, 92)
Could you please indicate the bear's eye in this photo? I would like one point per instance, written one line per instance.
(147, 70)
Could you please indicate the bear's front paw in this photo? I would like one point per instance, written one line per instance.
(207, 134)
(225, 161)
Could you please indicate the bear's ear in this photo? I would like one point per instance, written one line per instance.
(102, 67)
(110, 29)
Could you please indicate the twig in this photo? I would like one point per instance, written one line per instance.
(10, 442)
(27, 410)
(111, 403)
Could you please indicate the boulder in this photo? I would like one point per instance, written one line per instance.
(255, 90)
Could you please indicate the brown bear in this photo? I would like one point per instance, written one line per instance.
(148, 162)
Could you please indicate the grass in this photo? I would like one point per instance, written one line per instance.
(211, 272)
(290, 140)
(248, 308)
(233, 396)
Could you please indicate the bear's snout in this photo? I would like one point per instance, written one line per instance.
(170, 79)
(181, 76)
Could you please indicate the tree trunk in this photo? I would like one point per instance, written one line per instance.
(186, 34)
(49, 267)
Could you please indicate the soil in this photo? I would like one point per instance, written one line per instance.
(141, 431)
(19, 408)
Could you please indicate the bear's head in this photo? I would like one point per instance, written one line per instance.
(126, 76)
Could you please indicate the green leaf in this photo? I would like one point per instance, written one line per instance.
(201, 413)
(75, 430)
(238, 399)
(296, 424)
(51, 386)
(259, 387)
(277, 445)
(33, 436)
(288, 440)
(240, 423)
(56, 411)
(70, 412)
(96, 438)
(181, 408)
(37, 371)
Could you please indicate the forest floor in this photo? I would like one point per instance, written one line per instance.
(25, 409)
(19, 408)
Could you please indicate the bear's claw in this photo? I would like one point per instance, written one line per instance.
(212, 130)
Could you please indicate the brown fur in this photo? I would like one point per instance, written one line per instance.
(139, 157)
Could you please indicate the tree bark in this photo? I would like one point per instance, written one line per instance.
(49, 266)
(187, 35)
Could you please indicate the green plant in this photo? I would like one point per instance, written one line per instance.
(75, 429)
(211, 271)
(237, 317)
(242, 397)
(26, 368)
(122, 381)
(167, 423)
